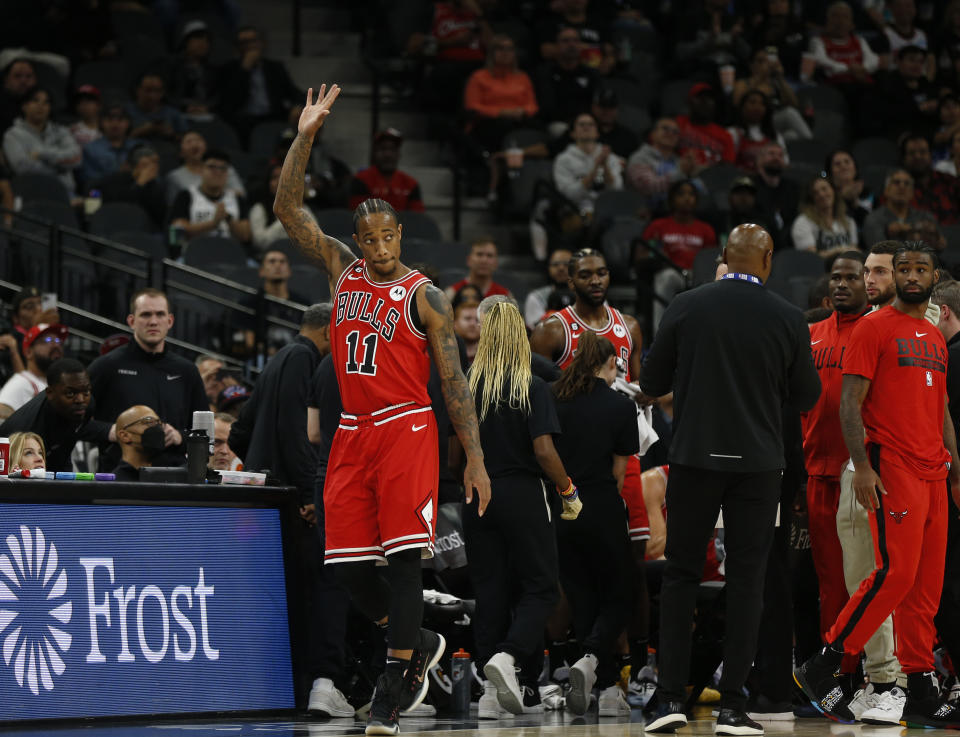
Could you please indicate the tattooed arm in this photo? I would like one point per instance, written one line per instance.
(866, 481)
(437, 317)
(288, 204)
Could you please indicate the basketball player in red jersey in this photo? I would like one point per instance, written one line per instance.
(894, 388)
(380, 497)
(824, 451)
(556, 337)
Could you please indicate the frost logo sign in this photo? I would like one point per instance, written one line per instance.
(33, 610)
(111, 610)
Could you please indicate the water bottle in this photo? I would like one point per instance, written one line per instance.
(197, 456)
(92, 202)
(460, 678)
(545, 671)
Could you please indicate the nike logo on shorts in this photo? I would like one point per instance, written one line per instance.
(417, 428)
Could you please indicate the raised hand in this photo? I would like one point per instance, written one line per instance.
(313, 115)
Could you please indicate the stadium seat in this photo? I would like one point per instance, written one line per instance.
(802, 173)
(615, 204)
(31, 187)
(825, 97)
(876, 151)
(207, 250)
(50, 211)
(635, 118)
(155, 246)
(617, 245)
(264, 137)
(113, 217)
(705, 266)
(673, 97)
(830, 128)
(336, 222)
(311, 282)
(107, 74)
(523, 187)
(874, 176)
(437, 254)
(812, 151)
(219, 134)
(420, 225)
(719, 177)
(451, 276)
(790, 262)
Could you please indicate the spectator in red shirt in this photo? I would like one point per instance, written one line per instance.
(383, 180)
(699, 133)
(460, 35)
(499, 97)
(482, 263)
(844, 56)
(681, 237)
(934, 191)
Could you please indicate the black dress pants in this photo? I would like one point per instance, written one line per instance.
(948, 616)
(512, 554)
(596, 570)
(694, 499)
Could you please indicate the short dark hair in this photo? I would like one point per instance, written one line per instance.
(140, 151)
(274, 250)
(19, 60)
(828, 162)
(147, 292)
(317, 316)
(851, 255)
(917, 247)
(370, 207)
(216, 153)
(33, 92)
(885, 248)
(677, 186)
(58, 369)
(818, 291)
(582, 254)
(907, 138)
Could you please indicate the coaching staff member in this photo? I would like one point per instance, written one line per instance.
(733, 354)
(144, 372)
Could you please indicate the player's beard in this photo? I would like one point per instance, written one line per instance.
(914, 298)
(589, 298)
(882, 298)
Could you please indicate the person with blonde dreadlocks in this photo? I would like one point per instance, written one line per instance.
(516, 577)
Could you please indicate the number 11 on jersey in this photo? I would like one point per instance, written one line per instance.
(368, 365)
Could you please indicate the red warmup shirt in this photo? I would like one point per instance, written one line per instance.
(632, 493)
(399, 189)
(449, 21)
(823, 448)
(681, 241)
(905, 359)
(493, 289)
(848, 51)
(710, 143)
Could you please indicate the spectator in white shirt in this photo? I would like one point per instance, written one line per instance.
(586, 168)
(42, 345)
(823, 225)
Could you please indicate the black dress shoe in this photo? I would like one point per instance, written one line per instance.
(665, 717)
(736, 722)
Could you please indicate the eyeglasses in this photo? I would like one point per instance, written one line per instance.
(149, 421)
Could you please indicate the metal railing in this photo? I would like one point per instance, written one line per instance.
(101, 274)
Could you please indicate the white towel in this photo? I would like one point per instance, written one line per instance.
(648, 436)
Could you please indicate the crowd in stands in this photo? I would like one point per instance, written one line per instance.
(835, 127)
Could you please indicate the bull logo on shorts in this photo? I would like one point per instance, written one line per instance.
(898, 516)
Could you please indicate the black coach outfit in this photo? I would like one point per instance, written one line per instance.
(733, 353)
(167, 383)
(948, 615)
(512, 548)
(60, 434)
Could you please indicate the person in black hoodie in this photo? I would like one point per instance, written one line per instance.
(271, 431)
(144, 372)
(61, 415)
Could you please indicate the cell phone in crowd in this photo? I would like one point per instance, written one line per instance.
(48, 301)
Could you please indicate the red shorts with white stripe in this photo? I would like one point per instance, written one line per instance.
(632, 494)
(380, 494)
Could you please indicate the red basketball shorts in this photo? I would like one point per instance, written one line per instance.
(632, 494)
(380, 494)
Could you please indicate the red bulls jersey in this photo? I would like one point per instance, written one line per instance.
(379, 353)
(824, 451)
(616, 331)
